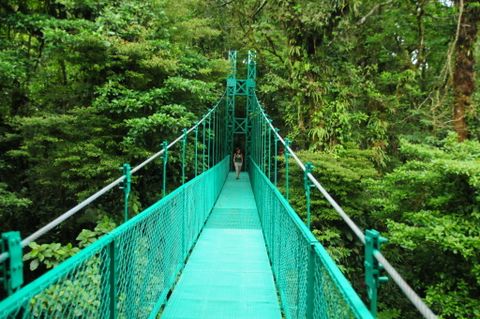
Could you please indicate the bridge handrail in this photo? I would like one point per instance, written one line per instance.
(402, 284)
(272, 227)
(114, 280)
(45, 229)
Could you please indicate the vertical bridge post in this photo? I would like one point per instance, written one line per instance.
(165, 160)
(184, 147)
(276, 157)
(251, 100)
(204, 147)
(230, 101)
(112, 279)
(373, 242)
(11, 270)
(287, 154)
(269, 149)
(196, 150)
(209, 138)
(127, 182)
(308, 185)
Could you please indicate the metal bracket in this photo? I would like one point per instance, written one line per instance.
(11, 271)
(373, 243)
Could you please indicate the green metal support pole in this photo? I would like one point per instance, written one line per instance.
(127, 182)
(260, 142)
(209, 135)
(113, 280)
(212, 132)
(257, 139)
(196, 150)
(214, 139)
(311, 281)
(269, 150)
(225, 133)
(184, 149)
(307, 185)
(373, 242)
(203, 146)
(165, 160)
(264, 146)
(254, 137)
(217, 136)
(218, 156)
(11, 270)
(276, 158)
(287, 144)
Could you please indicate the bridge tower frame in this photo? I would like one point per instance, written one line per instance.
(240, 87)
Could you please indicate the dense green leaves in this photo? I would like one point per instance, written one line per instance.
(363, 88)
(89, 86)
(430, 208)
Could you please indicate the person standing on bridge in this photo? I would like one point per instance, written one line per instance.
(238, 161)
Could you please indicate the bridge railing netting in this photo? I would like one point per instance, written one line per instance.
(128, 272)
(309, 282)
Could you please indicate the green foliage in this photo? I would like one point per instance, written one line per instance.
(86, 236)
(50, 255)
(343, 174)
(89, 85)
(430, 209)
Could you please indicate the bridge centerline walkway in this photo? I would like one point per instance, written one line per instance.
(228, 274)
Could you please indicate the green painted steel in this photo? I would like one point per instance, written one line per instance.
(128, 272)
(309, 282)
(275, 165)
(204, 165)
(373, 242)
(11, 272)
(196, 151)
(287, 163)
(230, 100)
(184, 149)
(269, 152)
(228, 274)
(209, 139)
(307, 185)
(164, 173)
(127, 186)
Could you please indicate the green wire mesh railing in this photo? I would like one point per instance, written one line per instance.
(309, 282)
(299, 297)
(128, 272)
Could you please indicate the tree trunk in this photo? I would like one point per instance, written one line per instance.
(464, 76)
(421, 58)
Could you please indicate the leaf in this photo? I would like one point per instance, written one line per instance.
(34, 264)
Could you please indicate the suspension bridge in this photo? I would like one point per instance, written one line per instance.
(215, 247)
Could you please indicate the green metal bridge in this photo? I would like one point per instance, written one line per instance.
(215, 247)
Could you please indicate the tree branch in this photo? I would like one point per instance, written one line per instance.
(259, 9)
(375, 8)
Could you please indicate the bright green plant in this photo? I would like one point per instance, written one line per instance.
(430, 208)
